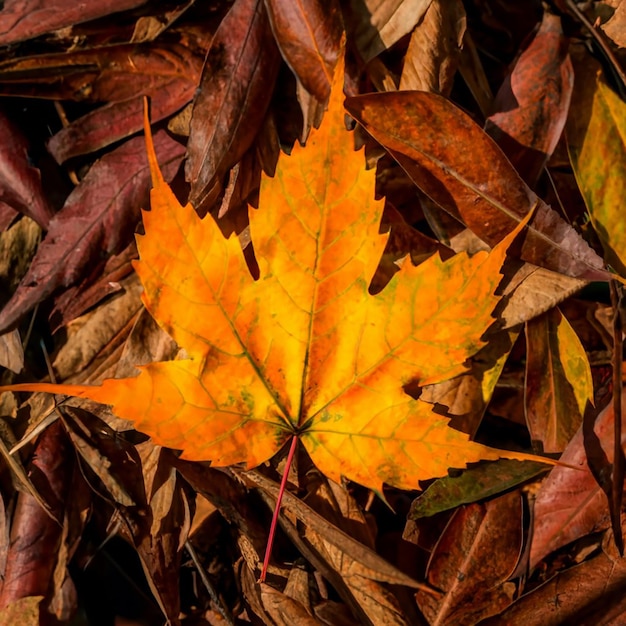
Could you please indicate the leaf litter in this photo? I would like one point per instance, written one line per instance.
(138, 500)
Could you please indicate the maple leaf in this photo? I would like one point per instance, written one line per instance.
(304, 351)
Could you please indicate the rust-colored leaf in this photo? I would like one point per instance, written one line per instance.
(309, 37)
(461, 168)
(570, 502)
(235, 91)
(476, 554)
(533, 103)
(305, 351)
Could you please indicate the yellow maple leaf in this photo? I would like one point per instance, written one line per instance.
(304, 351)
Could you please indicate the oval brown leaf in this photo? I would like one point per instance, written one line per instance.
(235, 91)
(308, 34)
(462, 169)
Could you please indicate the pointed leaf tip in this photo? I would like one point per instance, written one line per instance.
(155, 171)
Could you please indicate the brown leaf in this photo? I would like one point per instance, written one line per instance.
(118, 120)
(22, 612)
(35, 536)
(470, 178)
(533, 103)
(378, 24)
(20, 183)
(99, 217)
(570, 503)
(24, 19)
(589, 594)
(108, 74)
(308, 34)
(235, 91)
(433, 54)
(476, 554)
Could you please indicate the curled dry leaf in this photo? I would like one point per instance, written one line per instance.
(305, 351)
(378, 24)
(432, 57)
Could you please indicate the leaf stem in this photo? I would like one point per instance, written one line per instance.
(283, 484)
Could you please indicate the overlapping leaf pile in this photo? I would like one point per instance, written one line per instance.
(382, 335)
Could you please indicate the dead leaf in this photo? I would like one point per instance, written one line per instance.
(486, 194)
(22, 612)
(235, 90)
(558, 381)
(533, 103)
(476, 554)
(432, 57)
(98, 216)
(378, 24)
(20, 20)
(309, 37)
(570, 503)
(20, 182)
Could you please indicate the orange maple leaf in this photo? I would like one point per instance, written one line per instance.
(304, 351)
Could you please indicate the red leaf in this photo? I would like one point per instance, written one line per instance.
(533, 102)
(20, 183)
(118, 120)
(235, 91)
(99, 217)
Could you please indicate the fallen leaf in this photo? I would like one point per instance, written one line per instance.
(595, 136)
(305, 351)
(35, 535)
(98, 217)
(235, 91)
(20, 183)
(11, 351)
(589, 594)
(25, 19)
(309, 37)
(432, 57)
(533, 102)
(485, 193)
(22, 612)
(558, 381)
(474, 557)
(378, 24)
(118, 120)
(570, 502)
(475, 483)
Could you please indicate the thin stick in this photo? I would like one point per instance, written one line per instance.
(283, 484)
